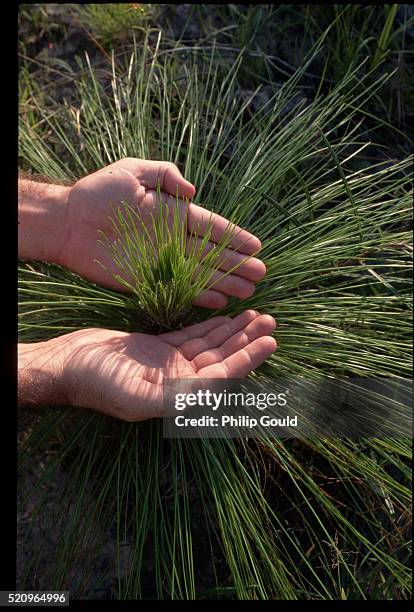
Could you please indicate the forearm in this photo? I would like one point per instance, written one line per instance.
(40, 375)
(42, 209)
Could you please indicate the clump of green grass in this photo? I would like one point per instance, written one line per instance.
(164, 266)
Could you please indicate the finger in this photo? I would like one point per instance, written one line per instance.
(176, 338)
(263, 325)
(243, 362)
(253, 269)
(230, 285)
(167, 175)
(211, 299)
(217, 336)
(199, 220)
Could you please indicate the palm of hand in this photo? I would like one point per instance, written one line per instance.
(90, 204)
(123, 374)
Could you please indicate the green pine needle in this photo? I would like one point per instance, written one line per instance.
(164, 265)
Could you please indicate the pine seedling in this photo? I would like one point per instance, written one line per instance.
(165, 264)
(342, 308)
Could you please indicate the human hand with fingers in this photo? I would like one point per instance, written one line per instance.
(118, 373)
(79, 213)
(123, 374)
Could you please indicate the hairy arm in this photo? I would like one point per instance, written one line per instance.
(42, 210)
(40, 378)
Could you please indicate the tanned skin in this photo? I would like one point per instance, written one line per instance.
(114, 372)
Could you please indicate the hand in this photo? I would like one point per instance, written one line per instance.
(122, 374)
(135, 181)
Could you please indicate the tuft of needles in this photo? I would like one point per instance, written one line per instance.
(164, 264)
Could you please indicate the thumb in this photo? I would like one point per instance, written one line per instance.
(170, 178)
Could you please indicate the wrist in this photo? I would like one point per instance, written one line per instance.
(42, 217)
(41, 374)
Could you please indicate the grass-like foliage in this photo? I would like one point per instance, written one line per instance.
(164, 265)
(321, 519)
(112, 22)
